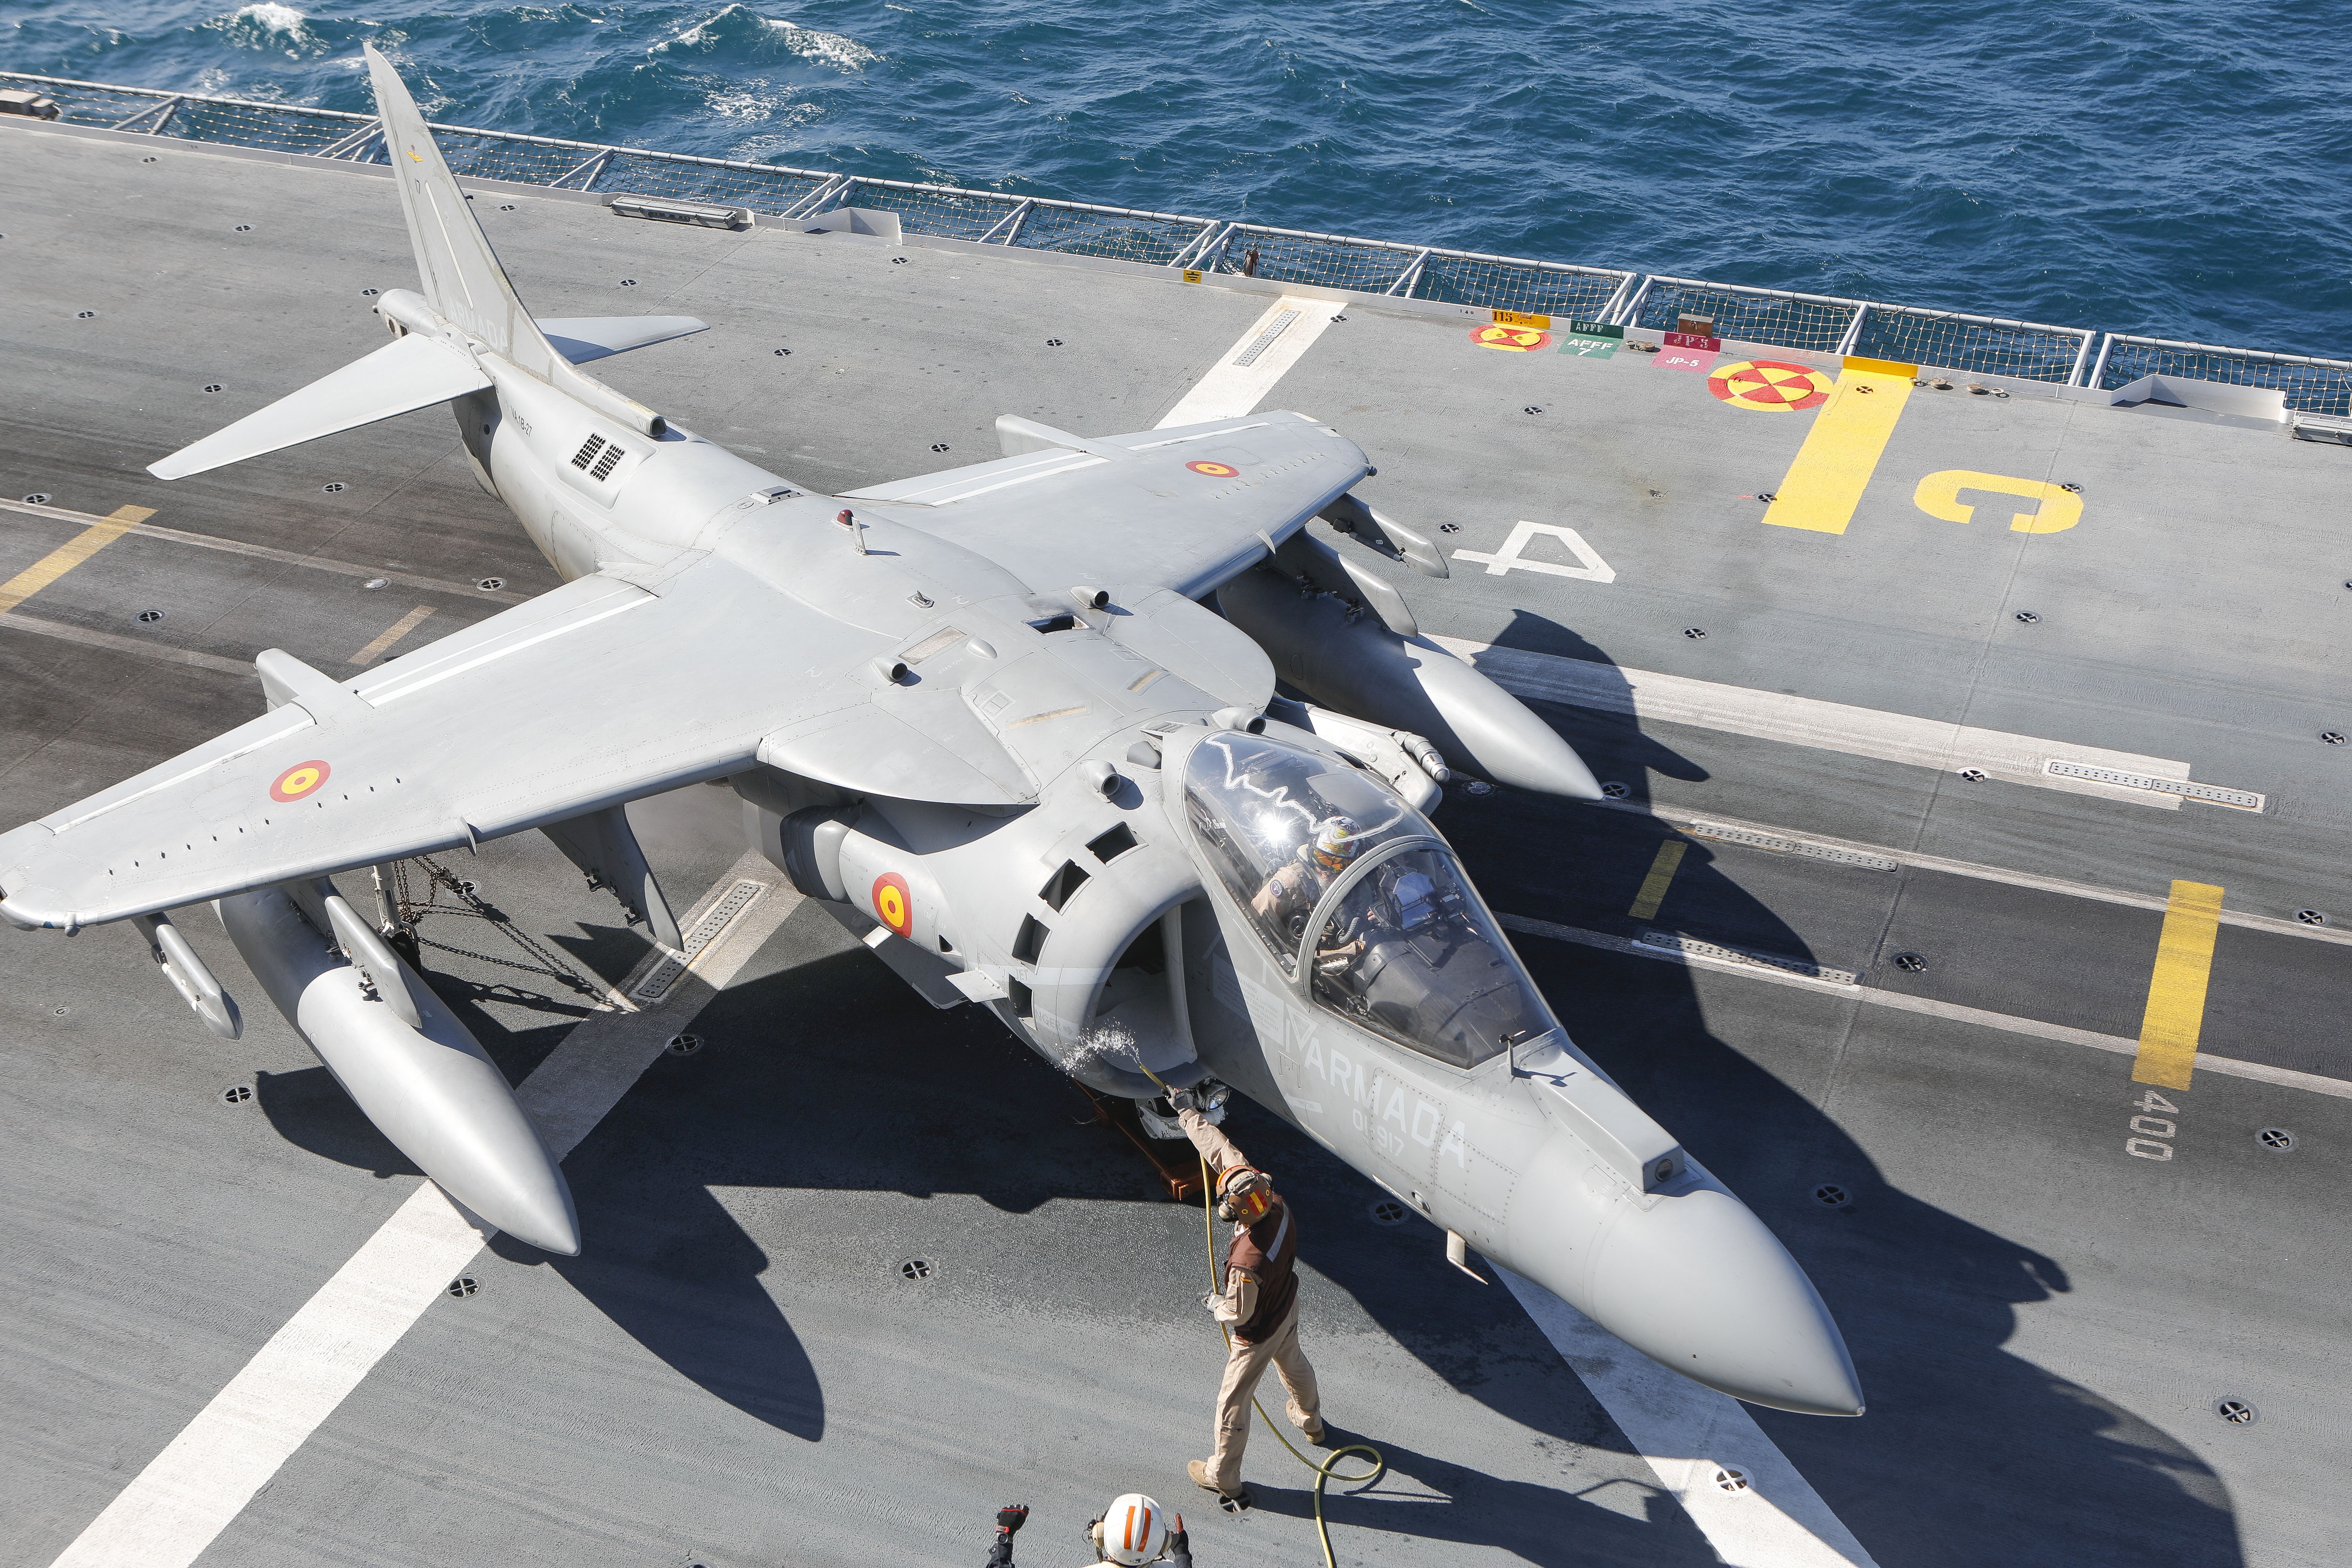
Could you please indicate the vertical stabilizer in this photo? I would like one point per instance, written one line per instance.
(462, 279)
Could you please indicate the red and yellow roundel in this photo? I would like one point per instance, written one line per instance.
(299, 780)
(1512, 340)
(892, 906)
(1770, 387)
(1214, 471)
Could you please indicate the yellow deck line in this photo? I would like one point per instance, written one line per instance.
(1825, 482)
(2176, 991)
(70, 555)
(1660, 876)
(392, 634)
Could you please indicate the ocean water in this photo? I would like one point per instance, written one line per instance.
(2154, 166)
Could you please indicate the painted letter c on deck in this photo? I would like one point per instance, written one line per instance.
(1938, 495)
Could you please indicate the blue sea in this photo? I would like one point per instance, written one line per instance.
(2158, 167)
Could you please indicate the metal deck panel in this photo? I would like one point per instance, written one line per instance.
(2040, 1320)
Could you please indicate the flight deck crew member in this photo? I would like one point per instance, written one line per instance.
(1258, 1305)
(1133, 1531)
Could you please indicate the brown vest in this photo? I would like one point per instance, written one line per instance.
(1265, 1251)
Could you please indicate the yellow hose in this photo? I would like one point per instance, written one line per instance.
(1324, 1473)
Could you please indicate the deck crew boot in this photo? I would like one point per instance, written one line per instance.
(1198, 1471)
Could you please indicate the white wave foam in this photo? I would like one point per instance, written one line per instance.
(833, 48)
(737, 21)
(270, 24)
(272, 17)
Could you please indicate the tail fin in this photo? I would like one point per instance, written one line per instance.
(463, 280)
(465, 287)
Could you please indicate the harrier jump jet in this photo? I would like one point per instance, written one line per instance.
(1017, 723)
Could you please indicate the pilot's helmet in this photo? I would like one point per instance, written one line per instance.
(1335, 842)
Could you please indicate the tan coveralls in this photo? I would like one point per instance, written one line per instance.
(1273, 1337)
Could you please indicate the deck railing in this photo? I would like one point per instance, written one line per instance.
(1943, 340)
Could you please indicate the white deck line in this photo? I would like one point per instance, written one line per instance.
(1936, 743)
(1230, 389)
(264, 552)
(1698, 824)
(2228, 1067)
(179, 1504)
(164, 653)
(1689, 1434)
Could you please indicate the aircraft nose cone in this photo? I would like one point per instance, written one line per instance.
(1699, 1284)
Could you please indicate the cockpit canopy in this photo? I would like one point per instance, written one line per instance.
(1281, 825)
(1406, 948)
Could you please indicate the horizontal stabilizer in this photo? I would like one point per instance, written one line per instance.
(404, 375)
(583, 338)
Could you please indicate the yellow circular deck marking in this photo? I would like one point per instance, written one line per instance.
(1769, 386)
(892, 906)
(1511, 340)
(299, 780)
(1214, 471)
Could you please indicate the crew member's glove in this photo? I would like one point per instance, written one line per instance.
(1179, 1544)
(1185, 1099)
(1012, 1517)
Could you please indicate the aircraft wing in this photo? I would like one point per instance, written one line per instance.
(1183, 509)
(602, 691)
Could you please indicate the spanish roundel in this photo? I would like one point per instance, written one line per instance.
(299, 780)
(892, 906)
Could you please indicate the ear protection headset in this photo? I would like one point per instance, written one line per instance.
(1243, 1195)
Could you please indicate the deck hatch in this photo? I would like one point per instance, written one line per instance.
(1264, 340)
(2242, 799)
(1781, 846)
(1691, 947)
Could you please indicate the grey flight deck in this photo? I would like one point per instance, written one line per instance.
(735, 1371)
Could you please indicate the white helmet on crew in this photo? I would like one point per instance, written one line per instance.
(1133, 1531)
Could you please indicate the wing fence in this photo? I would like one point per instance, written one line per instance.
(1940, 340)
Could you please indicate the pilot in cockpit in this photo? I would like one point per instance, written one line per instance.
(1405, 900)
(1288, 897)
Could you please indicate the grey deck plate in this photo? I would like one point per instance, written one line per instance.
(736, 1373)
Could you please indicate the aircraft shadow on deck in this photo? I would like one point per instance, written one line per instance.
(1970, 1454)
